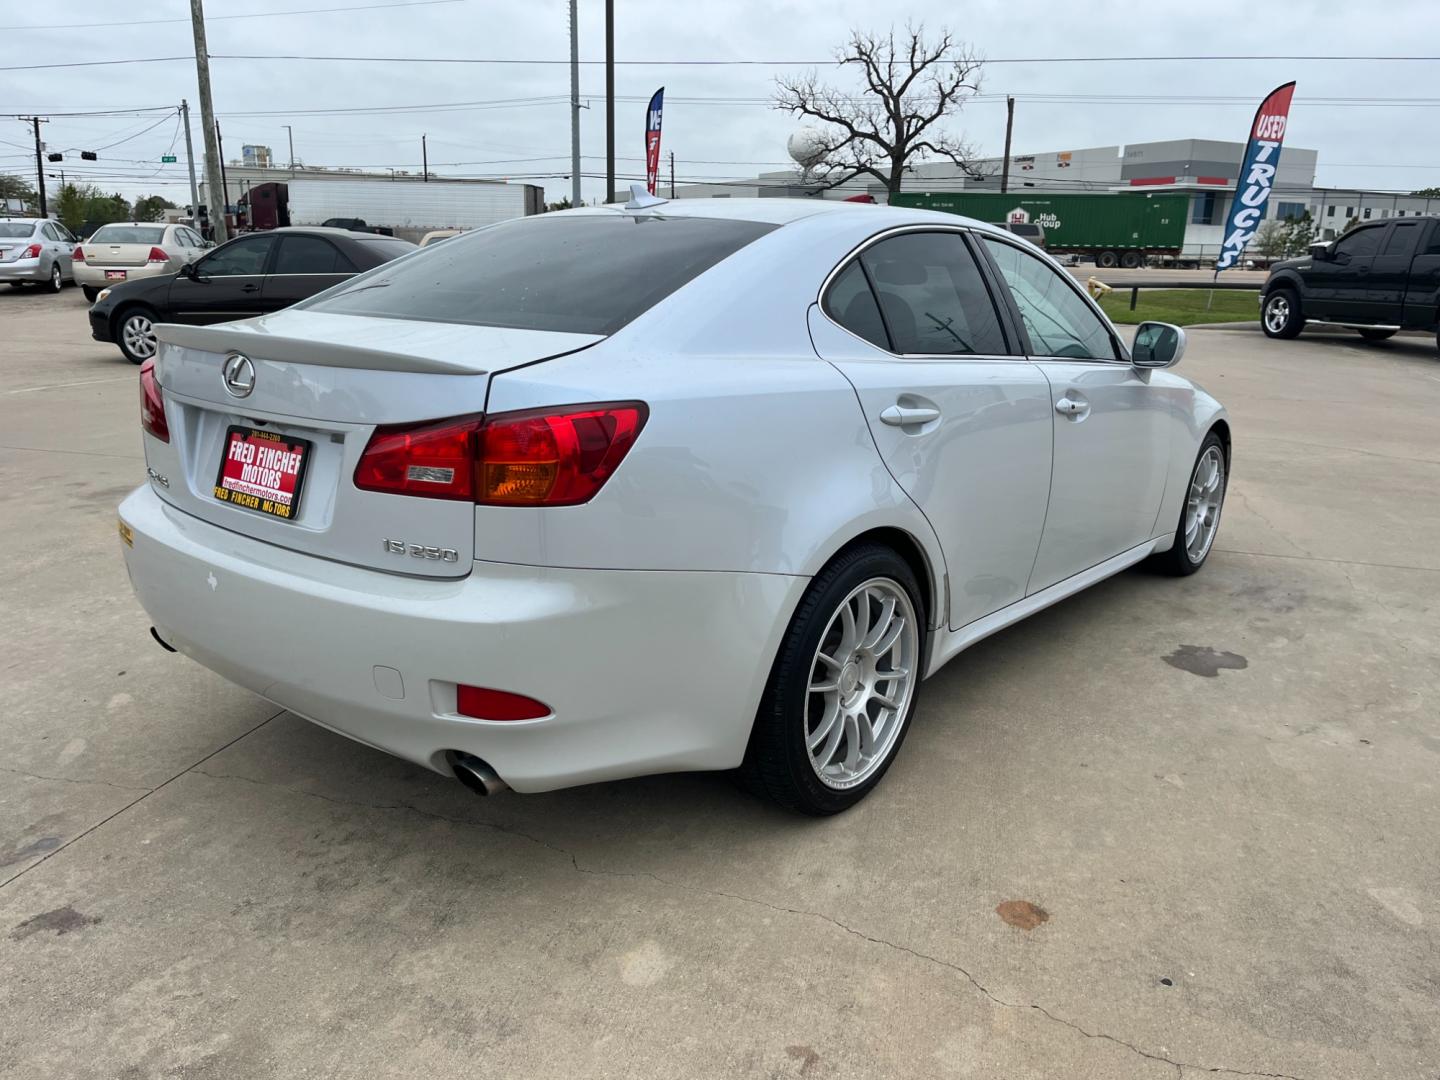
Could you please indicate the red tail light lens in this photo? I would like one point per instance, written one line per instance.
(485, 704)
(78, 255)
(152, 405)
(541, 457)
(157, 256)
(31, 252)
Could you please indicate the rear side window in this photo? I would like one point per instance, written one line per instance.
(1402, 239)
(582, 274)
(129, 234)
(310, 255)
(931, 297)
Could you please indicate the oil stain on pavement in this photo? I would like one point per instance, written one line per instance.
(1203, 660)
(62, 920)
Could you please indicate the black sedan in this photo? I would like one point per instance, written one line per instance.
(251, 275)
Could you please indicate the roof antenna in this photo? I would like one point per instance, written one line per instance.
(640, 199)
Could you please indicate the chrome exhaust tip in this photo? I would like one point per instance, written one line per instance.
(476, 775)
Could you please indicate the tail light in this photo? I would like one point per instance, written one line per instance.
(152, 405)
(157, 256)
(78, 255)
(540, 457)
(31, 252)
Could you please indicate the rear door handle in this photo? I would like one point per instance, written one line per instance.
(905, 415)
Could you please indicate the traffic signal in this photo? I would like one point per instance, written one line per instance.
(54, 157)
(88, 155)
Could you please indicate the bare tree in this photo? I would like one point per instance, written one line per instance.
(911, 85)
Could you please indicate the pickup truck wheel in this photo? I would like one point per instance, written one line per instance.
(1281, 317)
(1376, 335)
(1106, 260)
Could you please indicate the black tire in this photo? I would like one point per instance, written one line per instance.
(1130, 260)
(1281, 315)
(57, 278)
(123, 316)
(90, 292)
(1107, 260)
(1375, 334)
(777, 760)
(1177, 560)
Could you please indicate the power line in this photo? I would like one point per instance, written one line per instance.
(245, 15)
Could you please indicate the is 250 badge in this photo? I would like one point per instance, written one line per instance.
(420, 551)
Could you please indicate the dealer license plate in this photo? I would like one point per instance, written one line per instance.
(263, 471)
(114, 275)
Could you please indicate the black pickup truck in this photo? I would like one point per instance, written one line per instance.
(1378, 278)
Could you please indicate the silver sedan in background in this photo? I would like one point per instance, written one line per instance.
(35, 251)
(710, 484)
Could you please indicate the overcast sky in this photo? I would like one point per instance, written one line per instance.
(1384, 146)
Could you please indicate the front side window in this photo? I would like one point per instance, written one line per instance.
(572, 273)
(1361, 243)
(932, 298)
(1059, 322)
(242, 257)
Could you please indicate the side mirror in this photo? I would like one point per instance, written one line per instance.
(1157, 345)
(1320, 251)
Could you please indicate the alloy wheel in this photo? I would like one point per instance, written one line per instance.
(1202, 509)
(862, 679)
(1277, 313)
(139, 336)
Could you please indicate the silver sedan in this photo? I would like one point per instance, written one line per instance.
(662, 486)
(35, 251)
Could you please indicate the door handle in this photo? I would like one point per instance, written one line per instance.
(905, 415)
(1072, 407)
(252, 287)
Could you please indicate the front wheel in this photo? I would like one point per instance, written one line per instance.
(844, 686)
(90, 292)
(1200, 514)
(1375, 334)
(135, 334)
(1280, 317)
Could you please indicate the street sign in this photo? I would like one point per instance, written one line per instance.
(167, 159)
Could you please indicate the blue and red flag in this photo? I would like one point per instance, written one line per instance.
(1257, 174)
(652, 139)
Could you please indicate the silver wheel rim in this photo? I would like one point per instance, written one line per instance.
(861, 682)
(1277, 314)
(1202, 510)
(139, 336)
(55, 279)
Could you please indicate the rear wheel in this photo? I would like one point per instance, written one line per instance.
(1280, 317)
(1375, 334)
(1130, 260)
(1200, 514)
(1106, 260)
(135, 334)
(844, 686)
(57, 281)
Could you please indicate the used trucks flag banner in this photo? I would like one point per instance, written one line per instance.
(652, 139)
(1257, 174)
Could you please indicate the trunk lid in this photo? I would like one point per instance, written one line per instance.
(328, 381)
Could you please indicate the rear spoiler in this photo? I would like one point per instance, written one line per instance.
(289, 350)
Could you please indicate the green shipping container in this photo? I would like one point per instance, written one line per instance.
(1087, 224)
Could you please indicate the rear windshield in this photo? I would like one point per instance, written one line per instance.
(128, 234)
(580, 274)
(16, 228)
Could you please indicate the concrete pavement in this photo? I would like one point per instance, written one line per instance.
(1220, 791)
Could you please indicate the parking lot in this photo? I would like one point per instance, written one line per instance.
(1165, 828)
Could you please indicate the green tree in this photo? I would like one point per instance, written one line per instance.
(563, 204)
(83, 207)
(1270, 239)
(70, 207)
(13, 187)
(1426, 193)
(152, 208)
(1299, 234)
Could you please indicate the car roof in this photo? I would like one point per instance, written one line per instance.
(23, 220)
(784, 211)
(160, 224)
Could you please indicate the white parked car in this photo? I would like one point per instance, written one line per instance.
(35, 251)
(126, 250)
(673, 486)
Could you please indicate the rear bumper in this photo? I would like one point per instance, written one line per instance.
(645, 672)
(94, 276)
(23, 270)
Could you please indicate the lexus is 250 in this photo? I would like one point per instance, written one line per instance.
(711, 484)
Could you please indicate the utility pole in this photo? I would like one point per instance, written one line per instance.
(214, 180)
(190, 157)
(224, 182)
(424, 160)
(574, 106)
(290, 134)
(609, 101)
(1009, 126)
(672, 174)
(39, 163)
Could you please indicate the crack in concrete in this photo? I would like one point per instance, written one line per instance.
(928, 958)
(72, 780)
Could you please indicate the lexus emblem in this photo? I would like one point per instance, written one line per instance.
(239, 375)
